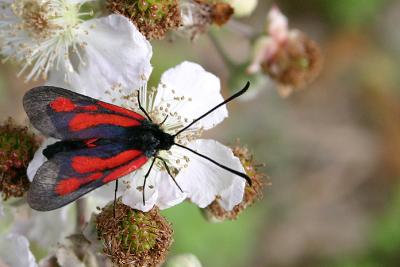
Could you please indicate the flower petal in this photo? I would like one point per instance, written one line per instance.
(193, 82)
(160, 191)
(67, 258)
(15, 252)
(277, 25)
(203, 181)
(44, 228)
(116, 54)
(133, 197)
(38, 158)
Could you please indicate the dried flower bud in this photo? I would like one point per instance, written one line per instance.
(199, 15)
(215, 213)
(290, 58)
(17, 147)
(153, 18)
(132, 237)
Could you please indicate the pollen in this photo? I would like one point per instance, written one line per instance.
(35, 17)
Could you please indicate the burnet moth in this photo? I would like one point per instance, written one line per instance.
(99, 143)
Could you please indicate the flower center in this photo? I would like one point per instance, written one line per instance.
(165, 110)
(43, 19)
(34, 17)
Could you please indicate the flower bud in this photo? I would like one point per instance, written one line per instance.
(132, 237)
(199, 15)
(243, 8)
(289, 57)
(17, 147)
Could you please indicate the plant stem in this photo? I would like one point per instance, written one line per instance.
(81, 210)
(243, 29)
(227, 60)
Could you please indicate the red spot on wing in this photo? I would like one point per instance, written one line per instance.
(62, 104)
(126, 169)
(72, 184)
(121, 110)
(91, 142)
(83, 164)
(84, 121)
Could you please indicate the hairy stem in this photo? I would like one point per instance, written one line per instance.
(221, 51)
(81, 214)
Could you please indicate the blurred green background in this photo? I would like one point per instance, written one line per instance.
(331, 151)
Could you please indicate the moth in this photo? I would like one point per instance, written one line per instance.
(99, 143)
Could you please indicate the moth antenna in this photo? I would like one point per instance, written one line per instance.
(243, 175)
(145, 180)
(141, 108)
(245, 88)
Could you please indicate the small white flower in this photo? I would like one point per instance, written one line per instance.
(49, 35)
(184, 93)
(15, 252)
(46, 229)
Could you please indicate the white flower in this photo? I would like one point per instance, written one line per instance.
(184, 93)
(50, 35)
(15, 252)
(46, 229)
(243, 8)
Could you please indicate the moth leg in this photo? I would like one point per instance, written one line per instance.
(165, 119)
(115, 195)
(141, 108)
(145, 179)
(170, 174)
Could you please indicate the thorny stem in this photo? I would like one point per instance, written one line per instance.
(227, 59)
(81, 210)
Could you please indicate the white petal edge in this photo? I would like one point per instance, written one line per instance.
(15, 252)
(192, 81)
(116, 54)
(38, 158)
(203, 181)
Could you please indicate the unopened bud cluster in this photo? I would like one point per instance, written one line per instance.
(153, 18)
(17, 147)
(132, 237)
